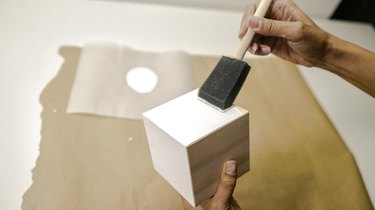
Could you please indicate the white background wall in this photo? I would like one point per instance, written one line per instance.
(313, 8)
(31, 33)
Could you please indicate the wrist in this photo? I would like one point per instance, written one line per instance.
(351, 62)
(330, 53)
(339, 56)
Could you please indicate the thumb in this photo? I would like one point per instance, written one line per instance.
(289, 30)
(227, 184)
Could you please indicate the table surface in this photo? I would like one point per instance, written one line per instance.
(297, 158)
(350, 110)
(32, 33)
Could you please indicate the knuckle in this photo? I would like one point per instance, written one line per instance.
(269, 27)
(228, 182)
(300, 30)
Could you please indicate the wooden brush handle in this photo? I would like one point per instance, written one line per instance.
(246, 40)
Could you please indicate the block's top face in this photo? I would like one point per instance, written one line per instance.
(188, 119)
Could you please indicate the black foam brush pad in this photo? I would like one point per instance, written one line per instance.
(224, 83)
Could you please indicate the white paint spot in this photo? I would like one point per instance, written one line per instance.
(54, 110)
(142, 79)
(130, 139)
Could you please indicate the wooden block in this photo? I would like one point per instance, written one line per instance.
(189, 142)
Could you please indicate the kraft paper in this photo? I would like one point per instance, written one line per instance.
(298, 160)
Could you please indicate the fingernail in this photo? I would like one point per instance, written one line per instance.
(241, 34)
(230, 167)
(254, 48)
(266, 49)
(254, 22)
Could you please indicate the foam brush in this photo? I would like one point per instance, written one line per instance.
(225, 81)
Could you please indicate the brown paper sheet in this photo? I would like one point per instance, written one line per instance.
(298, 160)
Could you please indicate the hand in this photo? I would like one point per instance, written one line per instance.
(288, 33)
(222, 200)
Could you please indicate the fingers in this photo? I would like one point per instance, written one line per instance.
(259, 49)
(258, 46)
(244, 22)
(289, 30)
(223, 195)
(287, 22)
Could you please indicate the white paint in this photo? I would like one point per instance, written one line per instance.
(142, 79)
(199, 119)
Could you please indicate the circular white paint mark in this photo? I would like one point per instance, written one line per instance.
(130, 139)
(142, 79)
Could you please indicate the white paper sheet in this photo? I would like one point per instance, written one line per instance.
(101, 86)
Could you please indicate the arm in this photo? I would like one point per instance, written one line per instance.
(351, 62)
(290, 34)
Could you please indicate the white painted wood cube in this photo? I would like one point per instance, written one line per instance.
(190, 141)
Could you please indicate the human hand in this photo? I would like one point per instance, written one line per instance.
(223, 199)
(288, 33)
